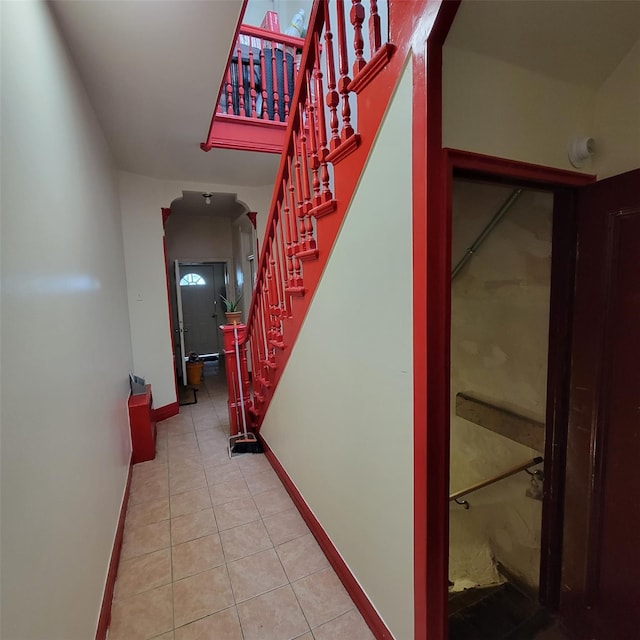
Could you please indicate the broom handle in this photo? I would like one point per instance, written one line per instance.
(244, 418)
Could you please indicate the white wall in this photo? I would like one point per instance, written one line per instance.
(617, 118)
(65, 340)
(341, 420)
(141, 201)
(499, 345)
(500, 109)
(497, 108)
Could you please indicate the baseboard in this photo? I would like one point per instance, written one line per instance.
(105, 609)
(359, 597)
(168, 411)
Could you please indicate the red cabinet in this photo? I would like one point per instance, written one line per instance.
(143, 426)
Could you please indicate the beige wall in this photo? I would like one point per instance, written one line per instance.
(617, 118)
(141, 201)
(66, 348)
(346, 394)
(499, 343)
(497, 108)
(199, 237)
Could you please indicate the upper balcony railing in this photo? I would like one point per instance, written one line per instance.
(261, 76)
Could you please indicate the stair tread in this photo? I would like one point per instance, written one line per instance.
(502, 614)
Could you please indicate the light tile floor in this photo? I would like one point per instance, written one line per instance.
(215, 549)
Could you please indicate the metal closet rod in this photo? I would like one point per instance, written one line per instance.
(498, 215)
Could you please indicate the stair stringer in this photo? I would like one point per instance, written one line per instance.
(372, 104)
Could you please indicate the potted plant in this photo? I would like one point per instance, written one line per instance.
(195, 369)
(232, 313)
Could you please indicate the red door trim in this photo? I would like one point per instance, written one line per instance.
(430, 328)
(514, 169)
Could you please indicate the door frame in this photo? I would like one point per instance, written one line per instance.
(229, 282)
(563, 185)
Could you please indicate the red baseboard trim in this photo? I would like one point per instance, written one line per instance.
(169, 410)
(107, 598)
(359, 597)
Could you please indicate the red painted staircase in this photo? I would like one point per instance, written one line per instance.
(334, 114)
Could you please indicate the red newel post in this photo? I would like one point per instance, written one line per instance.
(237, 402)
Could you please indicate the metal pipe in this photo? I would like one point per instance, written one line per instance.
(501, 476)
(499, 214)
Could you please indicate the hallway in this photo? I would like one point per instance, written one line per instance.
(215, 548)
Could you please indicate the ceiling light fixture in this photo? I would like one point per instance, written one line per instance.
(207, 197)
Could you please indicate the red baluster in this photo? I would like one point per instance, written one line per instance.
(281, 262)
(357, 18)
(240, 84)
(375, 37)
(229, 93)
(313, 141)
(285, 75)
(263, 78)
(343, 83)
(252, 85)
(296, 280)
(306, 189)
(287, 228)
(322, 126)
(302, 235)
(274, 75)
(333, 98)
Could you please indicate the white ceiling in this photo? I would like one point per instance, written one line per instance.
(575, 41)
(152, 69)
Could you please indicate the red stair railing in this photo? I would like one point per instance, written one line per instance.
(261, 76)
(322, 125)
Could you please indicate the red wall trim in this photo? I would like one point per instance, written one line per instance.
(359, 597)
(524, 171)
(105, 609)
(169, 410)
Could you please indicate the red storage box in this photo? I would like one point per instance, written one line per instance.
(271, 21)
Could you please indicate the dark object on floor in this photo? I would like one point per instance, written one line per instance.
(495, 613)
(248, 445)
(187, 395)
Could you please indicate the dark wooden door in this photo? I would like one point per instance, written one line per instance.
(600, 590)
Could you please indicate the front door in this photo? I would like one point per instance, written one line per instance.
(600, 592)
(201, 287)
